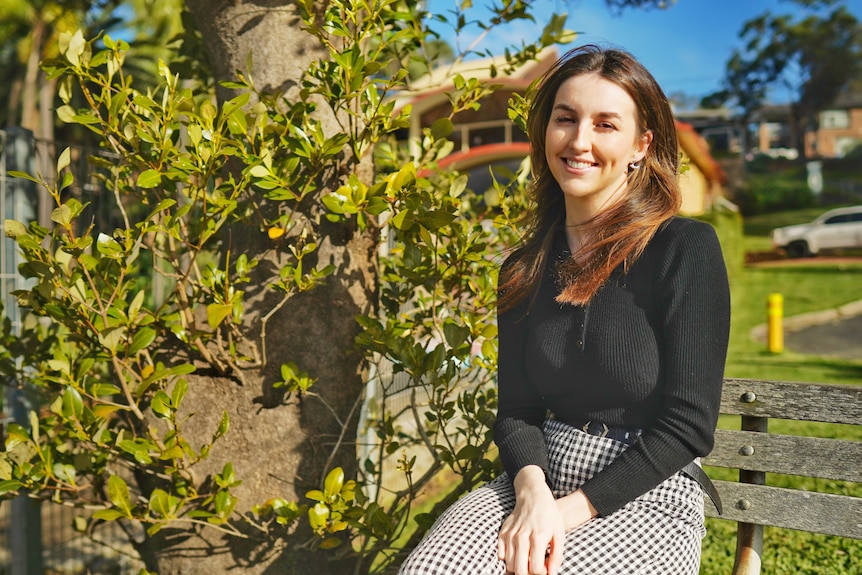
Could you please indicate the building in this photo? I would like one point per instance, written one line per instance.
(839, 129)
(836, 131)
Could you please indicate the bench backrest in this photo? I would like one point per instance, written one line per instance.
(756, 452)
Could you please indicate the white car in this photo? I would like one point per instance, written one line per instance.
(836, 229)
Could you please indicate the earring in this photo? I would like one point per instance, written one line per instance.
(634, 165)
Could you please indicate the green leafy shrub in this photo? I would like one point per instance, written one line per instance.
(114, 364)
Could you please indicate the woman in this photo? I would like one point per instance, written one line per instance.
(613, 319)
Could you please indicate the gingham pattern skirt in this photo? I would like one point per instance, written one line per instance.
(659, 533)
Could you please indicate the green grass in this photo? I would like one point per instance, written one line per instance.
(806, 288)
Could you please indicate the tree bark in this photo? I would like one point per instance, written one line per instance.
(279, 447)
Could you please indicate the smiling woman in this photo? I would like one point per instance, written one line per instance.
(613, 321)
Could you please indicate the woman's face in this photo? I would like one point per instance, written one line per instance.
(591, 138)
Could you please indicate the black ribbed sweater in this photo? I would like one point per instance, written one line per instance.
(648, 351)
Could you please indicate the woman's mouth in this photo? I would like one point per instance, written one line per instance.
(578, 165)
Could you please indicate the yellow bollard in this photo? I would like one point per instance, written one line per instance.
(775, 331)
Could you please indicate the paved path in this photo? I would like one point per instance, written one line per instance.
(836, 332)
(839, 337)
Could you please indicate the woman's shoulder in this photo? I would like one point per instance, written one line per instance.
(683, 241)
(684, 225)
(683, 231)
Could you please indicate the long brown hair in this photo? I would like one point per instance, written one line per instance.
(619, 234)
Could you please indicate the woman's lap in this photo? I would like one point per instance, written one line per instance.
(660, 532)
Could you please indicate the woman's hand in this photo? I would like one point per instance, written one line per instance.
(531, 539)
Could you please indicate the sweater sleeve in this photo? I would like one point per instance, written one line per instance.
(693, 298)
(520, 411)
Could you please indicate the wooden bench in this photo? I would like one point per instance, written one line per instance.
(755, 452)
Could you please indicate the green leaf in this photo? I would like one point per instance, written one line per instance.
(64, 472)
(442, 128)
(24, 175)
(330, 542)
(64, 160)
(162, 503)
(334, 481)
(135, 306)
(62, 215)
(316, 495)
(161, 404)
(108, 514)
(179, 392)
(403, 220)
(105, 389)
(455, 334)
(149, 179)
(458, 186)
(111, 338)
(9, 486)
(142, 339)
(137, 449)
(14, 229)
(436, 219)
(66, 113)
(469, 452)
(223, 426)
(217, 312)
(73, 404)
(108, 246)
(76, 47)
(317, 516)
(118, 493)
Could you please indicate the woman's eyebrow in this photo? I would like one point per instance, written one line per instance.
(608, 114)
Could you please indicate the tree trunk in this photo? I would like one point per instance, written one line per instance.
(279, 447)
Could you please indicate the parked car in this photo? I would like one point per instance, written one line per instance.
(840, 228)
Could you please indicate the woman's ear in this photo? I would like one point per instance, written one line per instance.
(642, 146)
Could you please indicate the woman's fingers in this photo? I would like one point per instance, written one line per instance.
(555, 553)
(538, 555)
(530, 553)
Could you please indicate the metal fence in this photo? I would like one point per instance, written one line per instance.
(44, 537)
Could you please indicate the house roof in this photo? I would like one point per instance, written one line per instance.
(432, 88)
(697, 149)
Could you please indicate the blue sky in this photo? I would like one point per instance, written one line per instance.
(685, 46)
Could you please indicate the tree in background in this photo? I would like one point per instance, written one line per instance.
(217, 420)
(814, 58)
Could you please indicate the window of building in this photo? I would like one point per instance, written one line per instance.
(835, 119)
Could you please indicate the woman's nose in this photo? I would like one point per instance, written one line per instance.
(580, 138)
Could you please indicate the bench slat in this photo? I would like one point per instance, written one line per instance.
(788, 454)
(829, 403)
(838, 515)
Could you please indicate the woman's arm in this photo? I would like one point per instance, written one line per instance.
(692, 297)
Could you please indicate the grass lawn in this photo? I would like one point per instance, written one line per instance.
(808, 287)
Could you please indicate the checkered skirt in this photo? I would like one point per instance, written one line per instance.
(659, 533)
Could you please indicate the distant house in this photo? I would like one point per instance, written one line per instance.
(839, 129)
(702, 183)
(487, 138)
